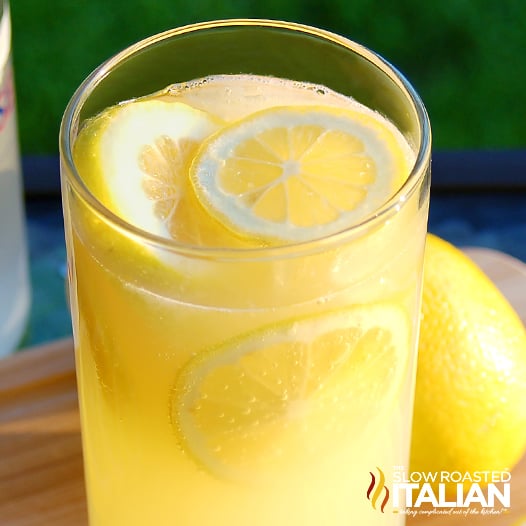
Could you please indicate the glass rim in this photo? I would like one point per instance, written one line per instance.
(383, 212)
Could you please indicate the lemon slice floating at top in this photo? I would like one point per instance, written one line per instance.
(299, 173)
(134, 157)
(284, 395)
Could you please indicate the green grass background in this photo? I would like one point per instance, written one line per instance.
(465, 57)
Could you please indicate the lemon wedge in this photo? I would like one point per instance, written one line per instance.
(280, 396)
(134, 157)
(299, 173)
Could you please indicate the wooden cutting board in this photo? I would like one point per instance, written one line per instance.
(41, 477)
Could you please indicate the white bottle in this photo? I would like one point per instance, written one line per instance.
(14, 280)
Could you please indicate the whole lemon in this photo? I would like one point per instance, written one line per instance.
(470, 405)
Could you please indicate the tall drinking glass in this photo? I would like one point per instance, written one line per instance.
(259, 385)
(14, 276)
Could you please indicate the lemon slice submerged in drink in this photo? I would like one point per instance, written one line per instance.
(285, 395)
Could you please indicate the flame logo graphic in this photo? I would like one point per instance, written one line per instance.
(378, 487)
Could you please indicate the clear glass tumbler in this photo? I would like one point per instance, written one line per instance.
(14, 276)
(257, 386)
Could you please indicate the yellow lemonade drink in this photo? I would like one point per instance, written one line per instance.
(245, 256)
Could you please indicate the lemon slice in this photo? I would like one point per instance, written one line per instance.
(299, 173)
(134, 157)
(279, 397)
